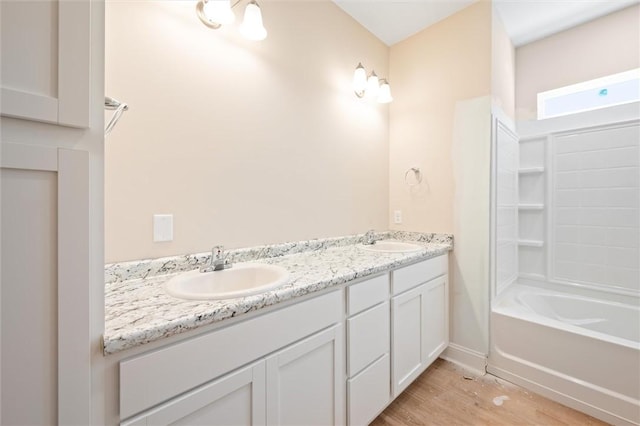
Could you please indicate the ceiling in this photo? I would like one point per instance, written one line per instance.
(525, 20)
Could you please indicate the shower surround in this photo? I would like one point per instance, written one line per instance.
(566, 287)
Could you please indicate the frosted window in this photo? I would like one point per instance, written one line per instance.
(603, 92)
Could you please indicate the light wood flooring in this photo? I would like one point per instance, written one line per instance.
(447, 395)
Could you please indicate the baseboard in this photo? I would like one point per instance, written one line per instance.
(560, 397)
(467, 358)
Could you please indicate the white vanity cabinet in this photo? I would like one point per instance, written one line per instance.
(419, 318)
(368, 358)
(287, 367)
(334, 359)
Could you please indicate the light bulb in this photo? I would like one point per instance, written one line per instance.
(384, 95)
(373, 86)
(359, 80)
(252, 27)
(219, 11)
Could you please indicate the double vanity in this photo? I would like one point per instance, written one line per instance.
(345, 329)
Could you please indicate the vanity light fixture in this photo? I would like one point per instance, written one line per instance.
(360, 81)
(371, 87)
(252, 27)
(215, 13)
(384, 93)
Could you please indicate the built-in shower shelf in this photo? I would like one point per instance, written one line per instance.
(531, 243)
(531, 170)
(530, 276)
(530, 206)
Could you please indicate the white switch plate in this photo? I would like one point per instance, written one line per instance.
(162, 227)
(397, 216)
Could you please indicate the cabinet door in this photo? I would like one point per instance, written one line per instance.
(51, 82)
(407, 317)
(420, 330)
(436, 319)
(235, 399)
(368, 392)
(306, 381)
(44, 270)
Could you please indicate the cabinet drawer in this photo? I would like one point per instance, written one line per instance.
(367, 293)
(410, 276)
(368, 334)
(368, 392)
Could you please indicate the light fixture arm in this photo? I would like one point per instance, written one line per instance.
(203, 18)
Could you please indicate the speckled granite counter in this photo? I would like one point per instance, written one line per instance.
(138, 311)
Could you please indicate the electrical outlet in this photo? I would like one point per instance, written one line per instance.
(397, 216)
(162, 227)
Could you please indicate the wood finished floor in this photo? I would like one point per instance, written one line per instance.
(447, 395)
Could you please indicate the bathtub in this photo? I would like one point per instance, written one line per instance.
(580, 351)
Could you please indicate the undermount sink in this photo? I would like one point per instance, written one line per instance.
(238, 281)
(389, 246)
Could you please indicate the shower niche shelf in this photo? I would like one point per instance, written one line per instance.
(531, 261)
(531, 226)
(531, 243)
(530, 206)
(531, 170)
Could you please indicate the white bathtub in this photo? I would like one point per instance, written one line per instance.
(580, 351)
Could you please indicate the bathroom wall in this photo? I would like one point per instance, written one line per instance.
(440, 122)
(605, 46)
(503, 64)
(243, 142)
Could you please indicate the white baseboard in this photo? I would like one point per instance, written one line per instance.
(466, 358)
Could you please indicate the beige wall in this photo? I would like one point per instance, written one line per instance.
(598, 48)
(440, 122)
(244, 143)
(503, 65)
(430, 72)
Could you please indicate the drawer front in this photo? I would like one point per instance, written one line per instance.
(410, 276)
(367, 293)
(369, 392)
(368, 337)
(149, 379)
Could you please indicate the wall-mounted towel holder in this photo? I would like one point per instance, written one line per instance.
(113, 104)
(417, 174)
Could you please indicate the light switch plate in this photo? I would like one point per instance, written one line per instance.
(162, 228)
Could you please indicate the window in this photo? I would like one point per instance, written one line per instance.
(616, 89)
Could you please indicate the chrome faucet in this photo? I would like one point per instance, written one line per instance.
(369, 237)
(218, 260)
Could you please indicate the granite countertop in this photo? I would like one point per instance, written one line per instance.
(138, 311)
